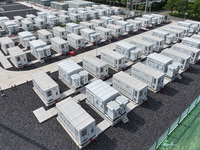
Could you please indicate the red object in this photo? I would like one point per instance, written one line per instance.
(50, 57)
(16, 68)
(58, 75)
(15, 86)
(188, 68)
(93, 140)
(27, 82)
(123, 69)
(106, 77)
(31, 7)
(61, 53)
(94, 44)
(161, 88)
(72, 53)
(28, 48)
(145, 101)
(12, 87)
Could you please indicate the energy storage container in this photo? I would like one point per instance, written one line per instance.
(27, 25)
(40, 23)
(86, 25)
(11, 27)
(181, 28)
(192, 42)
(179, 57)
(195, 24)
(147, 47)
(76, 41)
(116, 31)
(97, 23)
(152, 77)
(117, 10)
(126, 26)
(145, 22)
(18, 57)
(196, 36)
(102, 6)
(106, 20)
(161, 18)
(2, 20)
(52, 20)
(157, 42)
(46, 88)
(124, 48)
(64, 19)
(90, 35)
(44, 35)
(152, 19)
(63, 12)
(95, 7)
(59, 45)
(136, 24)
(95, 66)
(54, 13)
(40, 49)
(101, 12)
(73, 74)
(177, 33)
(117, 18)
(108, 11)
(72, 10)
(164, 35)
(31, 18)
(73, 28)
(78, 4)
(59, 5)
(192, 29)
(84, 15)
(93, 14)
(104, 33)
(130, 87)
(42, 15)
(18, 20)
(6, 43)
(60, 32)
(88, 8)
(114, 59)
(191, 51)
(74, 17)
(79, 124)
(25, 37)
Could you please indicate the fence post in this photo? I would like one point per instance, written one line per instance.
(188, 109)
(168, 130)
(156, 144)
(179, 119)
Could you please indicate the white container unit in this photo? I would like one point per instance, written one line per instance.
(117, 18)
(152, 77)
(40, 23)
(90, 35)
(40, 49)
(126, 26)
(59, 45)
(192, 29)
(52, 20)
(152, 19)
(136, 24)
(157, 42)
(18, 57)
(84, 15)
(93, 14)
(11, 27)
(73, 28)
(44, 35)
(181, 28)
(46, 88)
(104, 33)
(161, 18)
(195, 24)
(25, 37)
(116, 31)
(106, 20)
(196, 36)
(64, 19)
(74, 17)
(89, 8)
(27, 25)
(60, 32)
(73, 74)
(101, 12)
(164, 35)
(114, 59)
(95, 66)
(31, 18)
(95, 7)
(72, 10)
(179, 57)
(18, 20)
(97, 23)
(63, 12)
(76, 41)
(191, 51)
(108, 11)
(42, 15)
(130, 87)
(76, 121)
(177, 33)
(86, 25)
(147, 47)
(117, 10)
(145, 22)
(192, 42)
(55, 13)
(2, 20)
(6, 43)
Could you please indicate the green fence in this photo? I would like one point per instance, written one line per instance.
(175, 124)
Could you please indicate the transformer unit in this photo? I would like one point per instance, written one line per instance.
(74, 17)
(181, 28)
(126, 26)
(179, 57)
(78, 123)
(18, 20)
(25, 37)
(158, 42)
(147, 47)
(86, 25)
(40, 49)
(192, 42)
(152, 19)
(164, 35)
(84, 15)
(116, 31)
(145, 22)
(106, 20)
(191, 51)
(161, 18)
(130, 87)
(27, 25)
(11, 27)
(52, 20)
(6, 43)
(90, 35)
(46, 88)
(117, 18)
(177, 33)
(64, 19)
(40, 23)
(59, 5)
(76, 41)
(59, 45)
(97, 23)
(95, 66)
(192, 29)
(44, 35)
(114, 59)
(18, 57)
(73, 74)
(60, 32)
(31, 18)
(101, 12)
(104, 33)
(152, 77)
(42, 15)
(73, 28)
(136, 24)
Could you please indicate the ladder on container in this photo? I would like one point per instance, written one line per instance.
(124, 119)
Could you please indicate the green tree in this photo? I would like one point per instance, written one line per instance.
(170, 5)
(181, 6)
(196, 8)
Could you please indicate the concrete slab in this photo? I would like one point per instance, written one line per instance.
(80, 97)
(66, 93)
(102, 126)
(166, 81)
(130, 107)
(109, 81)
(4, 61)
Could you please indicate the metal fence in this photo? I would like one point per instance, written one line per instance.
(175, 124)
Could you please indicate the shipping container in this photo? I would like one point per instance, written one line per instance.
(64, 18)
(18, 20)
(84, 15)
(161, 18)
(73, 28)
(60, 32)
(196, 36)
(53, 20)
(78, 4)
(179, 57)
(95, 7)
(130, 87)
(104, 33)
(44, 35)
(181, 28)
(136, 24)
(107, 20)
(108, 11)
(97, 23)
(42, 15)
(74, 17)
(46, 88)
(126, 26)
(116, 31)
(59, 45)
(11, 27)
(6, 43)
(31, 18)
(164, 35)
(78, 123)
(76, 41)
(25, 37)
(145, 22)
(147, 47)
(192, 29)
(27, 25)
(192, 42)
(150, 76)
(177, 33)
(95, 66)
(86, 25)
(72, 10)
(88, 8)
(40, 23)
(90, 35)
(18, 57)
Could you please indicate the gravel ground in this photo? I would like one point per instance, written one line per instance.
(19, 128)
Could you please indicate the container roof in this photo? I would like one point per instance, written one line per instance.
(16, 51)
(191, 40)
(26, 21)
(94, 60)
(25, 34)
(182, 46)
(44, 32)
(112, 53)
(103, 29)
(114, 26)
(37, 43)
(176, 53)
(160, 58)
(153, 38)
(5, 40)
(59, 29)
(126, 45)
(112, 105)
(69, 66)
(142, 42)
(59, 40)
(75, 36)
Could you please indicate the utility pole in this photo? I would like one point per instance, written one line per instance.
(145, 7)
